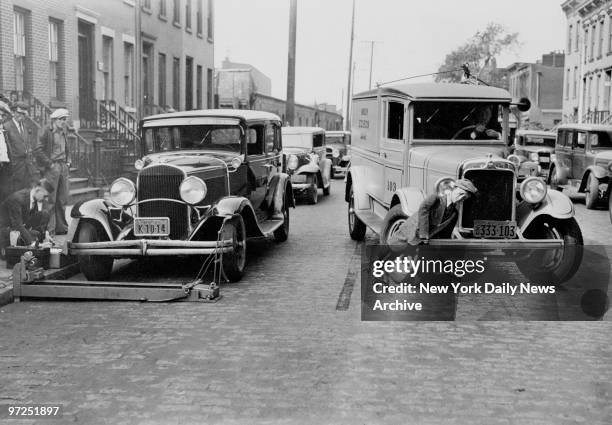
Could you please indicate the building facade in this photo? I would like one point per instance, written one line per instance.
(76, 53)
(542, 84)
(242, 86)
(588, 65)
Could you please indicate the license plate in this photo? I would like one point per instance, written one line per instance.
(544, 159)
(159, 226)
(494, 229)
(298, 178)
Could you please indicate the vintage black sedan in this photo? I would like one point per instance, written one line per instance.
(207, 182)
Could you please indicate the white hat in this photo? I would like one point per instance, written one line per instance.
(59, 113)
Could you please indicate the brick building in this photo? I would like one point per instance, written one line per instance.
(75, 53)
(542, 83)
(243, 86)
(588, 65)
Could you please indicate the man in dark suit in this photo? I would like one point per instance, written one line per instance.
(436, 217)
(25, 211)
(5, 162)
(20, 147)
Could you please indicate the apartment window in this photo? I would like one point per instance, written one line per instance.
(188, 83)
(601, 39)
(199, 87)
(177, 12)
(209, 20)
(586, 41)
(577, 45)
(54, 66)
(593, 36)
(209, 88)
(597, 86)
(161, 77)
(199, 17)
(569, 38)
(162, 8)
(107, 68)
(176, 83)
(575, 89)
(567, 83)
(128, 73)
(19, 49)
(590, 99)
(610, 35)
(188, 15)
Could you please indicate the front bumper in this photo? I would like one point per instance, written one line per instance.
(149, 248)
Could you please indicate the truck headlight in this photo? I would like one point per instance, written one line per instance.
(444, 185)
(193, 190)
(122, 192)
(292, 162)
(533, 190)
(533, 156)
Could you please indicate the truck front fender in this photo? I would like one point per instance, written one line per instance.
(409, 198)
(357, 179)
(555, 204)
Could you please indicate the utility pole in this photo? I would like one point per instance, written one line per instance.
(372, 42)
(138, 61)
(347, 121)
(290, 109)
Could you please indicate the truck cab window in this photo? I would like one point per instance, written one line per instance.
(395, 121)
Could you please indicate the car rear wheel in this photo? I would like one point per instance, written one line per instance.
(357, 227)
(393, 220)
(282, 233)
(592, 192)
(313, 190)
(94, 267)
(234, 261)
(553, 265)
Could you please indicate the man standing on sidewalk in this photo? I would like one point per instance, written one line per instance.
(53, 154)
(24, 173)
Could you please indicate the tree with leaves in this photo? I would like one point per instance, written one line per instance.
(479, 53)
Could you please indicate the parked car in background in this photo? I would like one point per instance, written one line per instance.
(414, 140)
(207, 182)
(306, 161)
(583, 160)
(535, 147)
(338, 145)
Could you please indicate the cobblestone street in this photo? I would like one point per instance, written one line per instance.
(287, 345)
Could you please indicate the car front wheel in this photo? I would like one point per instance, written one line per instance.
(94, 267)
(233, 262)
(554, 265)
(393, 220)
(313, 190)
(357, 228)
(592, 192)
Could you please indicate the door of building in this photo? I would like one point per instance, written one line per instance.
(86, 76)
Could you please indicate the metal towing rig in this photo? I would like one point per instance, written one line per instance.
(29, 281)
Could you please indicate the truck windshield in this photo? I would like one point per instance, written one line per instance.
(457, 120)
(192, 137)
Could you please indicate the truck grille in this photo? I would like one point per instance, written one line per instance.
(495, 197)
(545, 164)
(162, 181)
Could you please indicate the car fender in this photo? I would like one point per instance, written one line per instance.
(278, 188)
(598, 171)
(356, 178)
(95, 210)
(326, 166)
(310, 168)
(410, 198)
(555, 204)
(232, 205)
(562, 171)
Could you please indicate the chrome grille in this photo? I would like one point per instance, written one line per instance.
(546, 163)
(495, 197)
(162, 181)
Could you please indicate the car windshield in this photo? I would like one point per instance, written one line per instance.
(601, 140)
(539, 141)
(193, 137)
(457, 120)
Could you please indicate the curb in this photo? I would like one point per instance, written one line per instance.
(6, 294)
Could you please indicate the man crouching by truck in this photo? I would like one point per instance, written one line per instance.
(26, 212)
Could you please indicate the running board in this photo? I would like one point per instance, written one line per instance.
(371, 220)
(269, 226)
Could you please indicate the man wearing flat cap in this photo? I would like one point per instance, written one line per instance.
(436, 217)
(20, 149)
(53, 154)
(25, 211)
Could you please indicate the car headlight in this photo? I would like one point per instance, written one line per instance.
(122, 192)
(533, 190)
(533, 156)
(335, 153)
(515, 160)
(139, 164)
(292, 162)
(445, 185)
(193, 190)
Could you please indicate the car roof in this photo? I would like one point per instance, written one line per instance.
(302, 130)
(245, 114)
(586, 127)
(536, 133)
(426, 91)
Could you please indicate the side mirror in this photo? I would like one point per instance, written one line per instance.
(523, 104)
